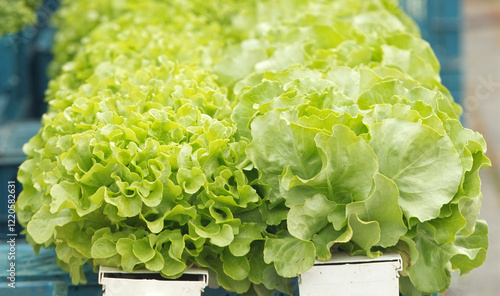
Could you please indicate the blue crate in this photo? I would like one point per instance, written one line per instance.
(440, 24)
(7, 64)
(40, 274)
(36, 288)
(42, 56)
(85, 290)
(14, 78)
(221, 292)
(24, 57)
(217, 292)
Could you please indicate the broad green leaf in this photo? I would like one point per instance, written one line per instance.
(386, 92)
(65, 196)
(191, 180)
(257, 263)
(274, 281)
(407, 288)
(327, 237)
(249, 103)
(178, 242)
(290, 256)
(469, 209)
(128, 206)
(325, 119)
(142, 250)
(208, 258)
(75, 236)
(179, 214)
(447, 227)
(470, 251)
(103, 248)
(466, 142)
(99, 175)
(236, 267)
(423, 164)
(382, 206)
(193, 245)
(349, 165)
(408, 61)
(78, 158)
(417, 45)
(365, 234)
(276, 145)
(43, 224)
(156, 263)
(470, 203)
(153, 193)
(124, 247)
(220, 235)
(172, 268)
(338, 217)
(224, 237)
(429, 273)
(380, 112)
(406, 247)
(248, 233)
(351, 82)
(307, 219)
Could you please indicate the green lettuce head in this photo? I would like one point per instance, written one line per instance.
(251, 139)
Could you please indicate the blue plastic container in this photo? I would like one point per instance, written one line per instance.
(36, 288)
(42, 56)
(40, 275)
(24, 57)
(14, 78)
(7, 65)
(223, 292)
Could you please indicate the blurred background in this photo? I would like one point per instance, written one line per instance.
(480, 26)
(465, 36)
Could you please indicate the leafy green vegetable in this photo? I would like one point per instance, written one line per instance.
(252, 139)
(15, 14)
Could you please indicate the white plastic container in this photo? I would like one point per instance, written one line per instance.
(344, 275)
(116, 282)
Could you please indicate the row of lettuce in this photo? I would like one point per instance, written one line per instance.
(16, 14)
(251, 138)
